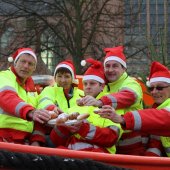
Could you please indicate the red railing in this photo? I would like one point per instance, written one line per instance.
(127, 161)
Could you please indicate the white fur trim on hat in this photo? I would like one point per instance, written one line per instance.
(115, 58)
(65, 66)
(163, 79)
(83, 62)
(92, 77)
(26, 52)
(10, 59)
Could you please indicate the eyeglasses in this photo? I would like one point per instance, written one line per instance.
(159, 88)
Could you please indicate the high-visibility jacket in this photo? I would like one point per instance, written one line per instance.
(16, 101)
(153, 121)
(154, 146)
(96, 134)
(126, 93)
(54, 96)
(51, 97)
(165, 140)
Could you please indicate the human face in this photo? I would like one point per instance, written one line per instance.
(113, 70)
(25, 66)
(63, 80)
(160, 94)
(92, 87)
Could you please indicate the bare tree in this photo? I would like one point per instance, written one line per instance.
(67, 28)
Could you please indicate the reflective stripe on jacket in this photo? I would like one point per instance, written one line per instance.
(130, 142)
(16, 105)
(138, 124)
(55, 96)
(165, 140)
(96, 121)
(96, 133)
(125, 83)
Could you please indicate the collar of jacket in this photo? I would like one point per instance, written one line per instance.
(121, 78)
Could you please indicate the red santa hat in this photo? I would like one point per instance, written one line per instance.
(115, 54)
(95, 71)
(69, 65)
(158, 72)
(21, 51)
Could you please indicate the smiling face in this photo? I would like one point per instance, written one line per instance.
(113, 70)
(63, 78)
(160, 94)
(25, 66)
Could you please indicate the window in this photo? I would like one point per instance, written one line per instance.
(47, 53)
(7, 37)
(50, 55)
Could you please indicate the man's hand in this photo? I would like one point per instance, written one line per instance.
(41, 116)
(73, 128)
(57, 110)
(79, 102)
(89, 101)
(110, 113)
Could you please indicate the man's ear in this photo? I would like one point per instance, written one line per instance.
(124, 68)
(35, 67)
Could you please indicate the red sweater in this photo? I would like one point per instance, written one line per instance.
(92, 138)
(152, 121)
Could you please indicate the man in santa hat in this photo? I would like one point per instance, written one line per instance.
(124, 93)
(155, 120)
(96, 134)
(18, 99)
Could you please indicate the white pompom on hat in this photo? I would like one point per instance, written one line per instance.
(10, 59)
(21, 51)
(83, 62)
(95, 71)
(158, 73)
(69, 65)
(148, 84)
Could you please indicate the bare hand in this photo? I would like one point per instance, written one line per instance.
(109, 113)
(57, 110)
(79, 102)
(41, 116)
(74, 128)
(89, 101)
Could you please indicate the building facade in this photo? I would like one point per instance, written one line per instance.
(142, 26)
